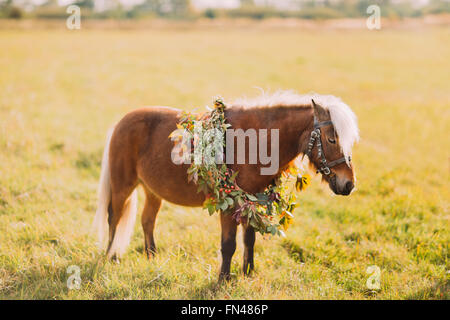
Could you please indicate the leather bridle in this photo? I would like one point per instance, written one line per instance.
(316, 139)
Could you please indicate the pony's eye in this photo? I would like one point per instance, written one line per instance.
(330, 140)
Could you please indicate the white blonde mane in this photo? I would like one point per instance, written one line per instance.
(343, 118)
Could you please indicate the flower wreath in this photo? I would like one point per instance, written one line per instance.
(267, 212)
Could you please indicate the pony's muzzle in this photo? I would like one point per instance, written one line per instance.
(341, 186)
(348, 188)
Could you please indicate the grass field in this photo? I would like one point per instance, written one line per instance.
(61, 90)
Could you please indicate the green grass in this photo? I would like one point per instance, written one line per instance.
(61, 90)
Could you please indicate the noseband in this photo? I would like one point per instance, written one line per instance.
(316, 139)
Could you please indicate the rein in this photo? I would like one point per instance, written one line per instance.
(316, 139)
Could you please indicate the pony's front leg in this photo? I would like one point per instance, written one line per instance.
(249, 243)
(228, 243)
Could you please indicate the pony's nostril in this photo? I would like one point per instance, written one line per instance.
(348, 187)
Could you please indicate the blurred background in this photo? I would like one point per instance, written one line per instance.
(61, 89)
(212, 9)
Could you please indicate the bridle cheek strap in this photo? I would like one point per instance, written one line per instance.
(315, 139)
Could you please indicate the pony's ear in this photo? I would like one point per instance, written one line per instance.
(319, 112)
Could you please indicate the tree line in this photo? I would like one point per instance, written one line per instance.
(183, 9)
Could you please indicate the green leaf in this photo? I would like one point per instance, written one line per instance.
(254, 223)
(224, 206)
(262, 196)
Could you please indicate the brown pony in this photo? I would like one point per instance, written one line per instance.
(138, 151)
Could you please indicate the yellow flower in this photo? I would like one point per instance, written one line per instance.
(293, 170)
(286, 221)
(302, 182)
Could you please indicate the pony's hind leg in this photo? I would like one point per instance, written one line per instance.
(121, 219)
(151, 208)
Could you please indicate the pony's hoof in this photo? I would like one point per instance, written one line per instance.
(248, 270)
(150, 253)
(115, 259)
(224, 277)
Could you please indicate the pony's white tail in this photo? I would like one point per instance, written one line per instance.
(125, 226)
